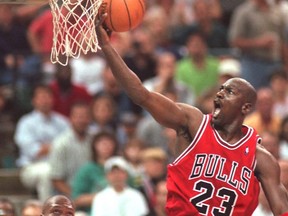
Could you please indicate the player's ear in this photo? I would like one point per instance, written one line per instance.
(247, 108)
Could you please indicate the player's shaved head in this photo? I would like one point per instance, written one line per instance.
(247, 90)
(58, 203)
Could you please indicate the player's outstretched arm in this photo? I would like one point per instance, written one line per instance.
(165, 111)
(268, 172)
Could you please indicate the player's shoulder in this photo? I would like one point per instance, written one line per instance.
(266, 162)
(194, 118)
(191, 111)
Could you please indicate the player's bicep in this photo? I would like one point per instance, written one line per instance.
(165, 111)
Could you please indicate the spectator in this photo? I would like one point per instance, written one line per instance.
(111, 87)
(66, 93)
(154, 161)
(58, 205)
(228, 7)
(103, 114)
(14, 44)
(182, 13)
(34, 134)
(205, 100)
(148, 127)
(165, 79)
(90, 178)
(7, 128)
(213, 32)
(32, 208)
(258, 31)
(118, 198)
(271, 142)
(160, 199)
(71, 149)
(7, 207)
(155, 22)
(197, 70)
(263, 118)
(127, 128)
(132, 154)
(142, 57)
(283, 137)
(279, 86)
(207, 24)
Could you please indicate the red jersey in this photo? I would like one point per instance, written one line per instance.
(214, 177)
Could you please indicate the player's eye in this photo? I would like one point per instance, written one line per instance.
(230, 91)
(56, 212)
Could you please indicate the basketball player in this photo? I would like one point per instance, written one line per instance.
(219, 160)
(58, 205)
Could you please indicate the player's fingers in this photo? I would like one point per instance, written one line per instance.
(100, 19)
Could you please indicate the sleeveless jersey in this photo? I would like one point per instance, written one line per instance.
(214, 177)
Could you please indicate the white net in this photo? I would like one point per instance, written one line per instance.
(74, 28)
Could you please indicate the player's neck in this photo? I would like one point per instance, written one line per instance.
(230, 134)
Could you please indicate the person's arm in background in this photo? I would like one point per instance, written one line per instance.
(82, 186)
(238, 29)
(268, 172)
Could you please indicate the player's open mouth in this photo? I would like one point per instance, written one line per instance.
(217, 108)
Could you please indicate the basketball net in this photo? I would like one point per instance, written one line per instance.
(74, 28)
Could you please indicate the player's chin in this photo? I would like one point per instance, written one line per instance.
(215, 120)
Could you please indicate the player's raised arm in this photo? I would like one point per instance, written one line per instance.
(165, 111)
(268, 172)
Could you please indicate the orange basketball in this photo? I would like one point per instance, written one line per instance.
(124, 15)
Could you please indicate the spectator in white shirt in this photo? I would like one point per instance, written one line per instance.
(118, 199)
(34, 134)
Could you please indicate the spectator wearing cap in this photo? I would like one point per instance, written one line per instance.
(90, 178)
(118, 198)
(228, 68)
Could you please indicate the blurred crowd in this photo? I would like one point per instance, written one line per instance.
(72, 130)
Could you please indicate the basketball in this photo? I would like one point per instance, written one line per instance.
(124, 15)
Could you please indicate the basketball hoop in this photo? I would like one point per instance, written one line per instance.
(74, 28)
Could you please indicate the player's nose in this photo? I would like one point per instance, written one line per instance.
(220, 93)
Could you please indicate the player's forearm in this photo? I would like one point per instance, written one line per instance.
(127, 79)
(282, 202)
